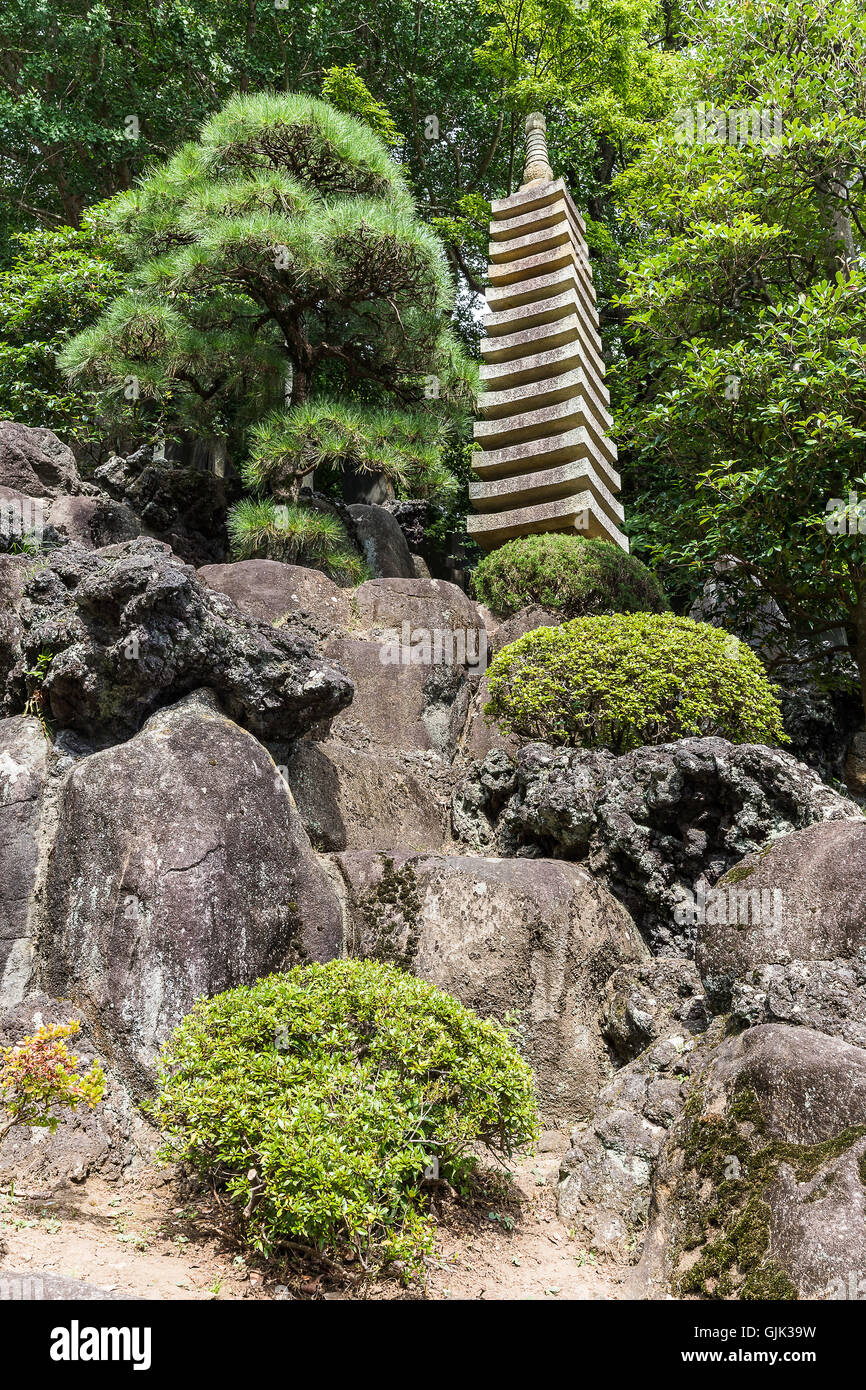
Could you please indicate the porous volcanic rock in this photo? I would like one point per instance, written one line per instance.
(605, 1178)
(656, 823)
(178, 503)
(651, 1013)
(129, 628)
(13, 573)
(644, 1003)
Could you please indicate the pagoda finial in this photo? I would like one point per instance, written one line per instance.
(537, 167)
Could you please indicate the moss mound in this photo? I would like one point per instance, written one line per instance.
(570, 575)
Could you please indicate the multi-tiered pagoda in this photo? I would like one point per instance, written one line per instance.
(546, 461)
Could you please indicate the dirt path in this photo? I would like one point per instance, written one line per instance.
(139, 1238)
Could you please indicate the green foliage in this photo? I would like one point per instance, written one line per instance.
(742, 398)
(40, 1076)
(569, 575)
(404, 446)
(73, 76)
(345, 89)
(59, 282)
(279, 262)
(315, 1100)
(623, 681)
(259, 529)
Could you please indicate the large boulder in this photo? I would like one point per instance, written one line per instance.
(658, 823)
(23, 777)
(419, 606)
(92, 521)
(273, 591)
(381, 542)
(784, 938)
(399, 705)
(130, 628)
(180, 868)
(801, 897)
(758, 1190)
(415, 649)
(530, 941)
(34, 461)
(178, 503)
(369, 797)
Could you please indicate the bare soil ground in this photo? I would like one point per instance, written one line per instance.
(145, 1237)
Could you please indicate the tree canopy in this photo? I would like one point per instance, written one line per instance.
(280, 281)
(743, 391)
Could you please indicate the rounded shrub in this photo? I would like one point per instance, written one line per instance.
(315, 1100)
(570, 575)
(630, 679)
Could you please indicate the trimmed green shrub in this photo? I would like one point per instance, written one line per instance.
(316, 1099)
(570, 575)
(626, 680)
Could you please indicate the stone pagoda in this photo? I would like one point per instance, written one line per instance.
(546, 461)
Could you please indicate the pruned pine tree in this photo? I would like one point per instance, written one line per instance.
(283, 293)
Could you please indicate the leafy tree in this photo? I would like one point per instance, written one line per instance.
(347, 91)
(284, 286)
(59, 282)
(743, 405)
(448, 80)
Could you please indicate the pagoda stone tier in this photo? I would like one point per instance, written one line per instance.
(546, 461)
